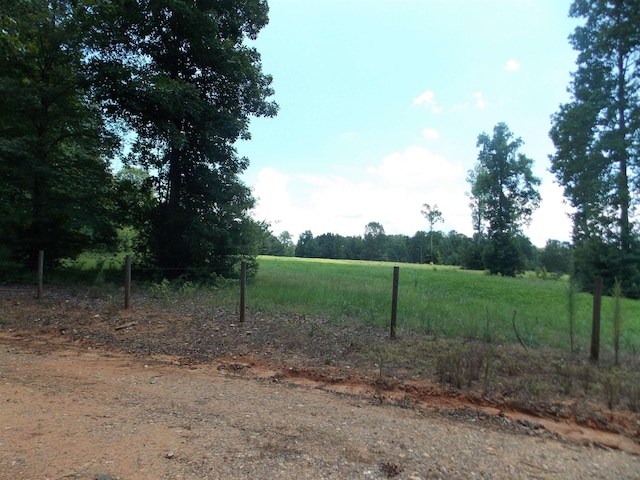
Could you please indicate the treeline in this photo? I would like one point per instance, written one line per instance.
(434, 247)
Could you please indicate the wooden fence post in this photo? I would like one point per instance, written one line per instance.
(595, 325)
(127, 282)
(243, 288)
(40, 272)
(394, 300)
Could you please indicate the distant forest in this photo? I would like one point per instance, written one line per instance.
(434, 247)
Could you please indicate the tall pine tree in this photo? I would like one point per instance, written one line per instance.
(597, 140)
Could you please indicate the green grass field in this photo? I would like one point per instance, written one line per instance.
(439, 300)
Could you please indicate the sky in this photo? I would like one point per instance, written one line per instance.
(382, 101)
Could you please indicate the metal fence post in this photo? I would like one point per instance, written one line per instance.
(394, 300)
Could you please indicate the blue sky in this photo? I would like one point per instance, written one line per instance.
(382, 101)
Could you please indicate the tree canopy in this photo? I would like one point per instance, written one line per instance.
(179, 77)
(503, 188)
(597, 140)
(54, 148)
(173, 82)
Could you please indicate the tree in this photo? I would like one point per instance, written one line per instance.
(433, 216)
(451, 248)
(556, 256)
(503, 184)
(178, 75)
(55, 186)
(353, 246)
(307, 247)
(396, 248)
(597, 140)
(374, 242)
(331, 245)
(287, 242)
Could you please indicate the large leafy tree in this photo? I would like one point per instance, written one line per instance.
(54, 177)
(178, 75)
(597, 140)
(503, 184)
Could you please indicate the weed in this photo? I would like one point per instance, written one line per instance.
(571, 304)
(487, 370)
(611, 387)
(533, 388)
(390, 469)
(587, 378)
(315, 328)
(633, 392)
(460, 368)
(381, 356)
(566, 375)
(188, 290)
(617, 318)
(161, 290)
(487, 331)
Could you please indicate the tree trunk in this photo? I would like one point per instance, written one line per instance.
(175, 180)
(623, 179)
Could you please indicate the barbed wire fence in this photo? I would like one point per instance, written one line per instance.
(125, 277)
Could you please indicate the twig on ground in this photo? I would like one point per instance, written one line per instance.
(126, 325)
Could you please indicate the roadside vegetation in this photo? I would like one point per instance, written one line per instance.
(534, 309)
(330, 319)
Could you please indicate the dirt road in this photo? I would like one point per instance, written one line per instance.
(74, 411)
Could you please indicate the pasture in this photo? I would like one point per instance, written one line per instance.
(441, 300)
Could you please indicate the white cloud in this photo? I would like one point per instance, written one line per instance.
(344, 206)
(349, 135)
(428, 98)
(550, 221)
(430, 134)
(391, 193)
(512, 66)
(273, 199)
(416, 166)
(480, 101)
(271, 188)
